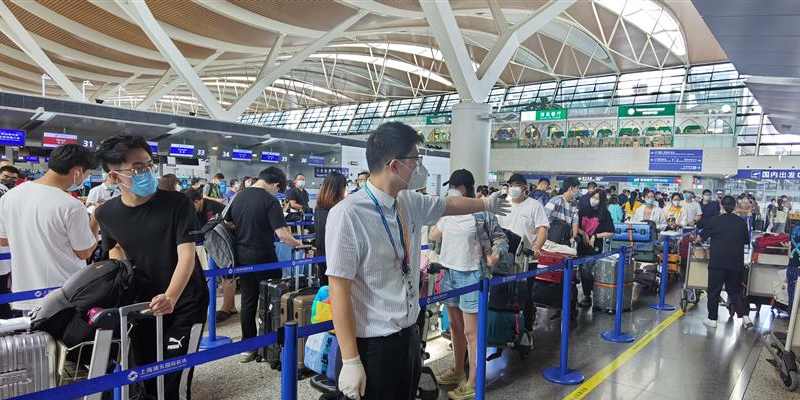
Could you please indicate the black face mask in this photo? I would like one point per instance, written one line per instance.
(9, 183)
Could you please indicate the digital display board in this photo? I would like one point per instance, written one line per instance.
(316, 161)
(32, 159)
(153, 146)
(51, 139)
(181, 150)
(12, 137)
(270, 157)
(241, 155)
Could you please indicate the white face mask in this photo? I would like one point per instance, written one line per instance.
(515, 192)
(676, 203)
(418, 178)
(76, 185)
(301, 184)
(504, 190)
(594, 202)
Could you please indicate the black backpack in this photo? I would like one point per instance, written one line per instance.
(559, 232)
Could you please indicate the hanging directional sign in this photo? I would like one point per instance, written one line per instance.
(676, 160)
(655, 110)
(554, 114)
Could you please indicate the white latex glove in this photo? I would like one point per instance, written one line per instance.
(496, 205)
(353, 378)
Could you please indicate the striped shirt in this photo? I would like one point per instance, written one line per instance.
(385, 300)
(558, 208)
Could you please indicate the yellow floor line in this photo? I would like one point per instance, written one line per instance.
(598, 378)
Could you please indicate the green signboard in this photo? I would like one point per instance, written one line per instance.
(438, 119)
(551, 115)
(655, 110)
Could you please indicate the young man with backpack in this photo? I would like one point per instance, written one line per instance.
(562, 211)
(154, 230)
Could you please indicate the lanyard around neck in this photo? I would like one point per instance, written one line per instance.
(404, 259)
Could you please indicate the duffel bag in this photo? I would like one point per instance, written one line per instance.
(508, 297)
(501, 327)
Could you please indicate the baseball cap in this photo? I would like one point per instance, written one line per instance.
(460, 177)
(517, 178)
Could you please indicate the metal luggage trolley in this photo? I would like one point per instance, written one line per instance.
(696, 280)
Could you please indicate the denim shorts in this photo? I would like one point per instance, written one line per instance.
(453, 279)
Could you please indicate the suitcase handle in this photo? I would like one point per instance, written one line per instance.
(134, 312)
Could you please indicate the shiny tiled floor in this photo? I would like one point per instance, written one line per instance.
(686, 361)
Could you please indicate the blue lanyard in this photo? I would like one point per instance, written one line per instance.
(404, 259)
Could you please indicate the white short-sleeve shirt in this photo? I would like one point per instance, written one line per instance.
(385, 300)
(525, 218)
(44, 226)
(461, 250)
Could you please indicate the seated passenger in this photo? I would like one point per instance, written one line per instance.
(48, 231)
(650, 212)
(470, 245)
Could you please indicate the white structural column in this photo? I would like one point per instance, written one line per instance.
(472, 86)
(138, 11)
(470, 142)
(687, 182)
(161, 88)
(12, 28)
(268, 78)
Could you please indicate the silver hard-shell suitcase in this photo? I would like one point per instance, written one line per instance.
(27, 363)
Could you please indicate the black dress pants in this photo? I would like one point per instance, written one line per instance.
(5, 287)
(732, 280)
(393, 364)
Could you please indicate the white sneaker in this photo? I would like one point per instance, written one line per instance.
(747, 322)
(710, 323)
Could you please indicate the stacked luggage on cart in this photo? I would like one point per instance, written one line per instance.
(640, 239)
(605, 286)
(766, 274)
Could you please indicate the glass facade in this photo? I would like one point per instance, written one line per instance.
(688, 87)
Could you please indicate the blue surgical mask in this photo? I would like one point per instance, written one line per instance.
(223, 187)
(144, 184)
(75, 186)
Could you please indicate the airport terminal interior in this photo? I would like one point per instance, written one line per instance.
(645, 153)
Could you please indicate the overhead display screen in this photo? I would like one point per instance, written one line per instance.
(51, 139)
(270, 157)
(181, 150)
(241, 155)
(12, 137)
(153, 146)
(316, 161)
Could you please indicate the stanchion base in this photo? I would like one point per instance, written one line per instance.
(572, 377)
(663, 307)
(206, 342)
(621, 337)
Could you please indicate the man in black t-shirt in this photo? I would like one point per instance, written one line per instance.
(729, 234)
(258, 217)
(152, 229)
(205, 209)
(298, 196)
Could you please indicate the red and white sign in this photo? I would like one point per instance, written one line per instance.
(51, 139)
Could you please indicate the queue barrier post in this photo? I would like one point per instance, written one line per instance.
(562, 375)
(616, 335)
(480, 356)
(289, 362)
(662, 291)
(212, 340)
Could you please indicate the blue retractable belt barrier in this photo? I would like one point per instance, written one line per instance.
(300, 223)
(616, 335)
(561, 374)
(27, 295)
(662, 290)
(149, 371)
(5, 256)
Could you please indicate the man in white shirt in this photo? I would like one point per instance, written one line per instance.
(48, 231)
(101, 193)
(691, 213)
(528, 218)
(8, 179)
(373, 239)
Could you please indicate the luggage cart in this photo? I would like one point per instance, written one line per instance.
(785, 361)
(696, 275)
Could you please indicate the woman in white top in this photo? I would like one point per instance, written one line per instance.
(650, 212)
(470, 244)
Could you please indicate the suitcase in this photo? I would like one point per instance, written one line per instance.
(269, 317)
(508, 297)
(302, 315)
(27, 363)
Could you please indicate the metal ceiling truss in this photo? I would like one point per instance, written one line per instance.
(472, 86)
(14, 30)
